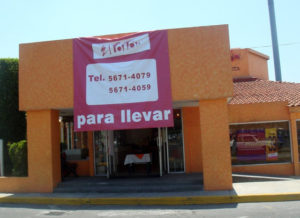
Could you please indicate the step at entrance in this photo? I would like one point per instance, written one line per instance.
(168, 183)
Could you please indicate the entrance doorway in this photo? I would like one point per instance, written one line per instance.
(133, 152)
(140, 152)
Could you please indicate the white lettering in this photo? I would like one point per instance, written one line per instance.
(109, 118)
(128, 116)
(136, 117)
(166, 113)
(123, 116)
(91, 119)
(147, 115)
(80, 121)
(99, 118)
(157, 115)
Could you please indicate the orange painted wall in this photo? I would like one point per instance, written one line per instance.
(296, 116)
(293, 117)
(241, 113)
(267, 112)
(192, 140)
(216, 157)
(199, 63)
(239, 62)
(45, 72)
(55, 144)
(42, 136)
(14, 184)
(43, 155)
(258, 65)
(83, 167)
(198, 55)
(247, 62)
(267, 169)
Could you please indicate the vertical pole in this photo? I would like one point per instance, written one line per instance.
(274, 41)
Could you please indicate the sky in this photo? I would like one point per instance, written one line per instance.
(24, 21)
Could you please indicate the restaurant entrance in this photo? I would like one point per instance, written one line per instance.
(140, 152)
(128, 152)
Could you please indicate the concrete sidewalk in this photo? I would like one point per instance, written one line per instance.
(264, 191)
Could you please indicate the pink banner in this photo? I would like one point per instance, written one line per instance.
(122, 83)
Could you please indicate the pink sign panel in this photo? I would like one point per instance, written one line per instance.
(122, 83)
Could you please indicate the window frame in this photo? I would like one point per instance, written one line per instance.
(298, 145)
(261, 122)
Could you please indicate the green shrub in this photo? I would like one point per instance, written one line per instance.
(12, 121)
(18, 155)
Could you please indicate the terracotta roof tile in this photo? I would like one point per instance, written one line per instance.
(260, 91)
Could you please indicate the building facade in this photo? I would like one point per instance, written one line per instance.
(220, 125)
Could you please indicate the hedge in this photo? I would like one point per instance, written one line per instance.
(12, 121)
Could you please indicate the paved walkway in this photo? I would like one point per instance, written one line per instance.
(245, 189)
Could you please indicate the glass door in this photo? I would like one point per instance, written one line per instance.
(134, 152)
(175, 145)
(112, 153)
(160, 155)
(164, 150)
(100, 153)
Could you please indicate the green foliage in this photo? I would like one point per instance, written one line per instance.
(18, 154)
(12, 121)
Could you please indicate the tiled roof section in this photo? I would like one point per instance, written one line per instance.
(260, 91)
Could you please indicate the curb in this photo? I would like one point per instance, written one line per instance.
(193, 200)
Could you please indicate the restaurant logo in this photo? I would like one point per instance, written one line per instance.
(121, 47)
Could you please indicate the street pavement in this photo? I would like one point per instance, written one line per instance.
(243, 210)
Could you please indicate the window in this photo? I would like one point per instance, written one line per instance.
(74, 144)
(255, 143)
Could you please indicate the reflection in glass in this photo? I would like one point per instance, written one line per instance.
(100, 152)
(175, 144)
(74, 144)
(133, 142)
(260, 143)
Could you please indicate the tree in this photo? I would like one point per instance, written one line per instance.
(12, 121)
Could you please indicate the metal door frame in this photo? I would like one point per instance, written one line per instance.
(106, 153)
(183, 145)
(160, 141)
(163, 138)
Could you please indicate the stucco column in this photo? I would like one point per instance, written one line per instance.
(294, 143)
(216, 159)
(43, 150)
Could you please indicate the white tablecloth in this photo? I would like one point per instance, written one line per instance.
(137, 159)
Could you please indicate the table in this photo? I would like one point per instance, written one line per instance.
(137, 159)
(132, 159)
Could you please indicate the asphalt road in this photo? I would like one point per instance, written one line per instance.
(244, 210)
